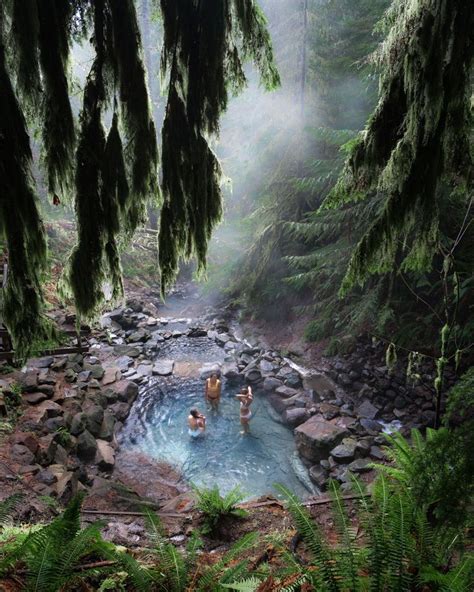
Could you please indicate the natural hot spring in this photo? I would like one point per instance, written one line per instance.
(157, 426)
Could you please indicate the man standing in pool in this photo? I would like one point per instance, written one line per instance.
(196, 423)
(245, 396)
(213, 391)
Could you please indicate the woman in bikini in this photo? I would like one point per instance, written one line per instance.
(196, 423)
(213, 391)
(245, 397)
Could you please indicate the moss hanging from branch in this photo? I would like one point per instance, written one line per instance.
(418, 134)
(20, 224)
(57, 119)
(205, 45)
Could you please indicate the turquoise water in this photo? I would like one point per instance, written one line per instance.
(157, 426)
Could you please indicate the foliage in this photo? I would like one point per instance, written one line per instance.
(216, 507)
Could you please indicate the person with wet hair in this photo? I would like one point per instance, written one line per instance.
(245, 397)
(196, 423)
(213, 391)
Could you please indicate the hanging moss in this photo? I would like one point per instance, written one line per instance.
(418, 134)
(205, 45)
(20, 224)
(58, 125)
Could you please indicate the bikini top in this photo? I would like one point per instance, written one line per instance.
(213, 387)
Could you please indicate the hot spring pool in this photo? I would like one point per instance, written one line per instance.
(157, 426)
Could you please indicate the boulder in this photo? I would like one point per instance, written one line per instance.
(123, 363)
(47, 389)
(22, 455)
(318, 383)
(45, 362)
(230, 371)
(377, 453)
(295, 416)
(28, 381)
(163, 368)
(86, 446)
(107, 427)
(126, 390)
(267, 367)
(46, 450)
(271, 384)
(46, 477)
(26, 439)
(145, 369)
(367, 410)
(48, 409)
(315, 438)
(318, 476)
(3, 407)
(96, 370)
(120, 411)
(140, 335)
(105, 456)
(344, 452)
(53, 424)
(65, 486)
(371, 426)
(329, 411)
(361, 465)
(197, 332)
(253, 375)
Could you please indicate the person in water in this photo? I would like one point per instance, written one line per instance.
(196, 423)
(245, 397)
(213, 391)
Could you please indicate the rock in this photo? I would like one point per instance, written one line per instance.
(127, 350)
(293, 380)
(46, 389)
(26, 439)
(28, 381)
(34, 398)
(197, 332)
(253, 375)
(120, 411)
(47, 409)
(210, 368)
(65, 486)
(126, 390)
(329, 411)
(46, 450)
(367, 410)
(271, 384)
(145, 370)
(46, 476)
(230, 371)
(140, 335)
(295, 417)
(59, 364)
(107, 427)
(266, 367)
(222, 338)
(344, 452)
(163, 368)
(78, 424)
(70, 375)
(377, 453)
(111, 375)
(3, 407)
(105, 456)
(60, 456)
(318, 382)
(319, 476)
(94, 417)
(316, 438)
(361, 465)
(86, 446)
(96, 370)
(371, 426)
(53, 424)
(363, 447)
(285, 391)
(22, 455)
(124, 363)
(45, 362)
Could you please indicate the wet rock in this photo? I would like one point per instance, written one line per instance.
(295, 417)
(34, 398)
(124, 363)
(86, 446)
(22, 455)
(163, 368)
(367, 410)
(285, 391)
(111, 375)
(371, 426)
(105, 456)
(344, 452)
(270, 383)
(126, 390)
(316, 438)
(127, 350)
(145, 369)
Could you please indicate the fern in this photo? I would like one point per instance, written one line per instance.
(8, 508)
(248, 585)
(216, 507)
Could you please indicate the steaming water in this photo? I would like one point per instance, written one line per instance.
(158, 427)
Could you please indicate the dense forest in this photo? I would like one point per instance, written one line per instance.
(273, 195)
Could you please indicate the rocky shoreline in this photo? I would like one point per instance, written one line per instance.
(74, 407)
